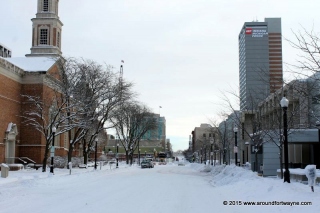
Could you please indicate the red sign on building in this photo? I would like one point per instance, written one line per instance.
(248, 30)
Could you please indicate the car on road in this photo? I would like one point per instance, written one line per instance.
(181, 163)
(146, 164)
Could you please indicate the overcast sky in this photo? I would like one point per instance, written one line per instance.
(180, 54)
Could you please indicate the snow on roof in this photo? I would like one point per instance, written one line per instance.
(32, 64)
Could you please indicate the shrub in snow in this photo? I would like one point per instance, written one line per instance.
(58, 162)
(76, 161)
(102, 158)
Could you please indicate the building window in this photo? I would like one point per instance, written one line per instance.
(58, 40)
(45, 5)
(44, 36)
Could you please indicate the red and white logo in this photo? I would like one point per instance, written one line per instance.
(248, 30)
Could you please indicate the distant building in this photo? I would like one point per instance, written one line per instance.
(260, 61)
(202, 137)
(5, 52)
(160, 132)
(227, 138)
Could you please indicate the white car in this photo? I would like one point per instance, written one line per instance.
(181, 163)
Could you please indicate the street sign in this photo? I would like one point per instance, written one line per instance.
(52, 151)
(235, 149)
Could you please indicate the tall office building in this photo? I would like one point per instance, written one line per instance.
(160, 132)
(260, 61)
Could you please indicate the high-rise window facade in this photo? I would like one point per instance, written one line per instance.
(260, 61)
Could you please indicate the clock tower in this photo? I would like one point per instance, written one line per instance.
(46, 30)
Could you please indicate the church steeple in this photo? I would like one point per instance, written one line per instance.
(46, 30)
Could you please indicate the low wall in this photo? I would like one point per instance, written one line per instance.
(299, 175)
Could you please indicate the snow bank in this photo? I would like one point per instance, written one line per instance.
(226, 174)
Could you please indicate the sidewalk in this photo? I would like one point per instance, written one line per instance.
(28, 174)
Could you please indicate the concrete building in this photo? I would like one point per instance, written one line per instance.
(303, 134)
(202, 138)
(260, 61)
(226, 137)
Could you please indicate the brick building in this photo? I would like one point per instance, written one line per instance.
(35, 74)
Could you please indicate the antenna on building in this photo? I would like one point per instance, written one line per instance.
(120, 78)
(121, 70)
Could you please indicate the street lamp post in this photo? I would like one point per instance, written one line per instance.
(284, 104)
(235, 129)
(247, 145)
(131, 155)
(52, 148)
(95, 154)
(139, 156)
(211, 152)
(205, 155)
(117, 156)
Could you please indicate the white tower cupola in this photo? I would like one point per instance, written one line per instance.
(46, 30)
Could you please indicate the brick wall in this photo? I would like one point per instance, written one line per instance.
(10, 100)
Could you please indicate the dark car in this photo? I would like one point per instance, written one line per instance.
(146, 164)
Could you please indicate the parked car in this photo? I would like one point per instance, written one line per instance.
(181, 163)
(146, 164)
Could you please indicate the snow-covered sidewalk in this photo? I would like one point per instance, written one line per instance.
(164, 188)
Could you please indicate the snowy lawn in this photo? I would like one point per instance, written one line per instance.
(165, 188)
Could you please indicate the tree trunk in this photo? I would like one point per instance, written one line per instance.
(85, 152)
(130, 159)
(256, 162)
(127, 157)
(85, 157)
(69, 155)
(44, 162)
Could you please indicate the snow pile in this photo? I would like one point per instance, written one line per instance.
(230, 174)
(226, 174)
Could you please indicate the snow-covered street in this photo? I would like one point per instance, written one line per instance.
(165, 188)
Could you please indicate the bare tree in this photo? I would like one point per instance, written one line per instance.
(95, 92)
(132, 121)
(82, 99)
(43, 116)
(308, 44)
